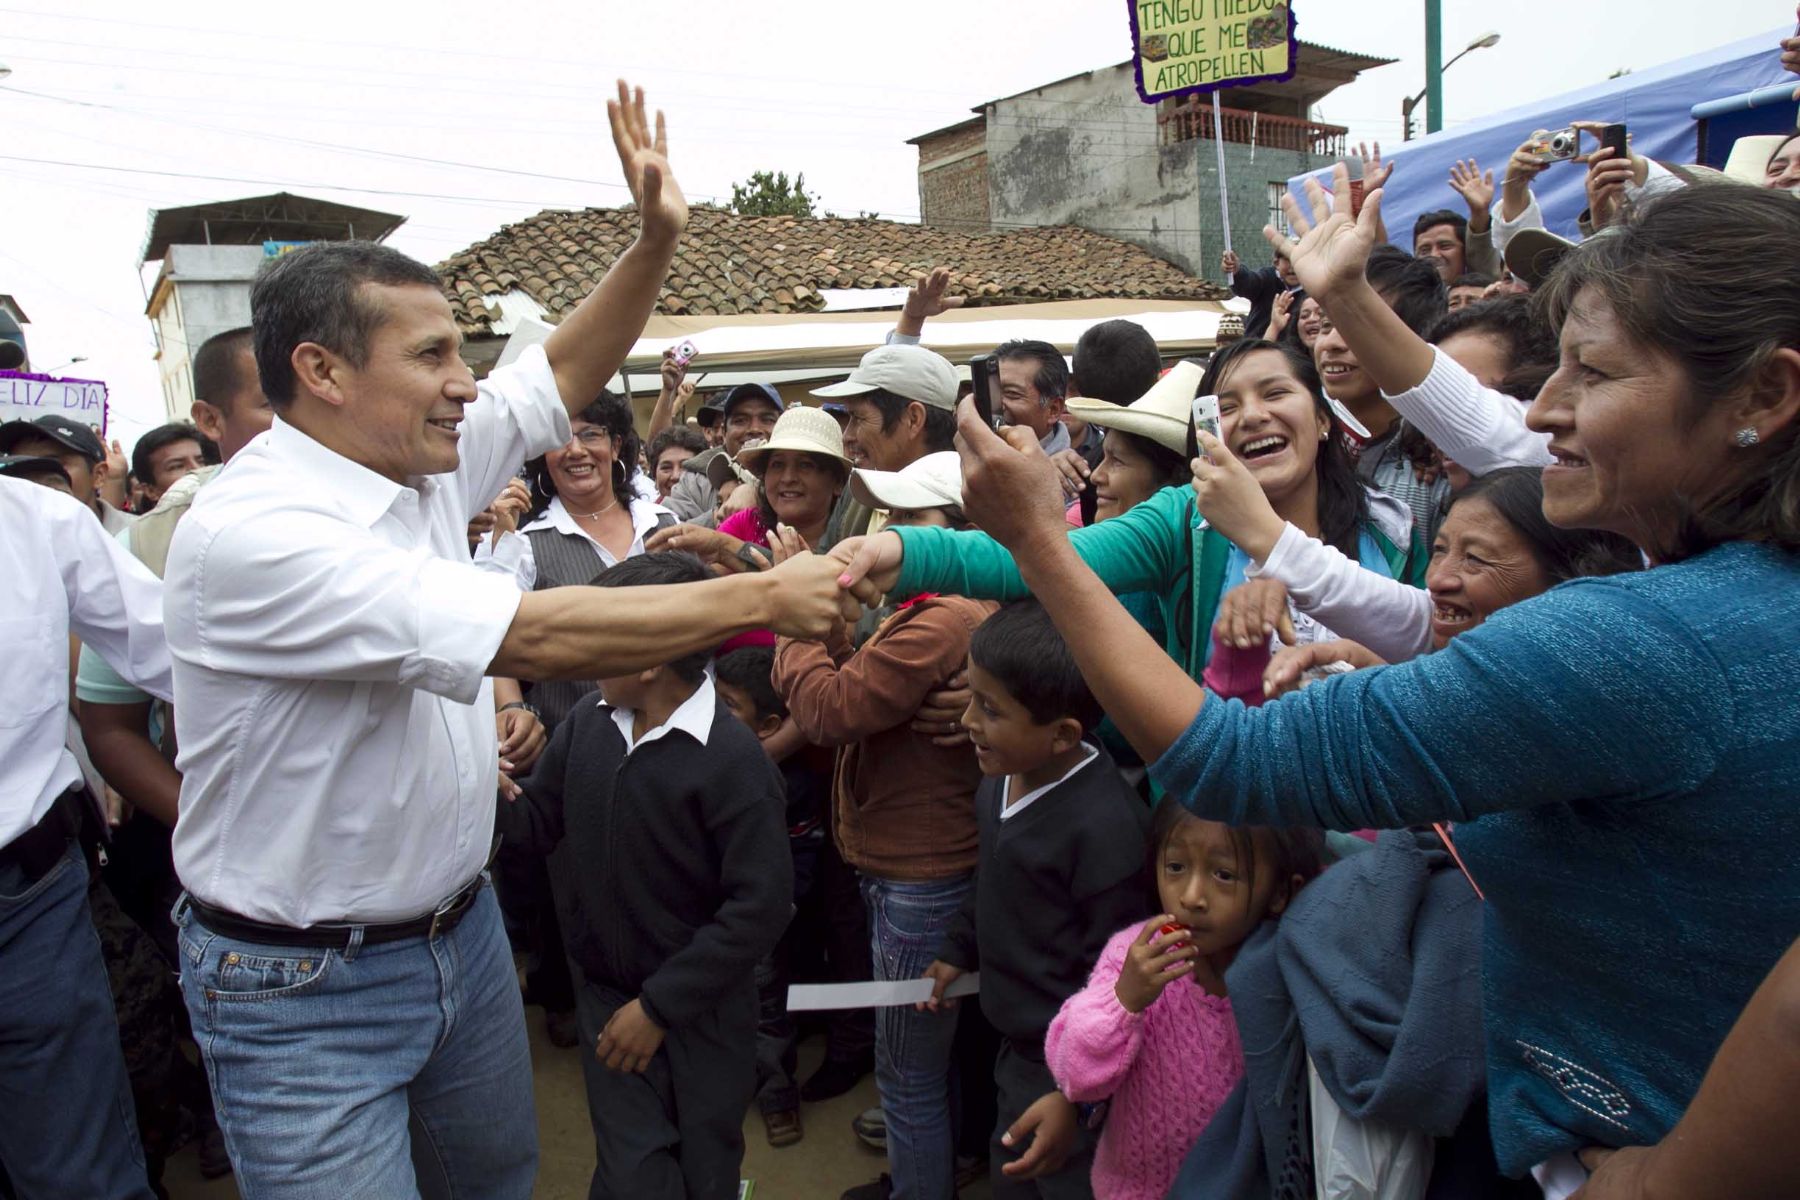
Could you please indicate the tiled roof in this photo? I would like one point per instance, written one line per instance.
(733, 264)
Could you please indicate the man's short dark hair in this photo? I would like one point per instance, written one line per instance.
(1475, 279)
(1021, 648)
(1443, 216)
(315, 295)
(750, 669)
(663, 567)
(1116, 361)
(217, 375)
(675, 435)
(168, 435)
(1411, 286)
(1532, 347)
(940, 423)
(1052, 377)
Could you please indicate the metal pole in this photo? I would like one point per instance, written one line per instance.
(1219, 145)
(1434, 66)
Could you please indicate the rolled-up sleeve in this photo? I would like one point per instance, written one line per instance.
(311, 599)
(1590, 692)
(518, 414)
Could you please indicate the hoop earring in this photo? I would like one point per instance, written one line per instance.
(1747, 436)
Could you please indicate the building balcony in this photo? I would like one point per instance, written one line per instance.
(1187, 117)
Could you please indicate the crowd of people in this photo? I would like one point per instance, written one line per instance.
(1381, 796)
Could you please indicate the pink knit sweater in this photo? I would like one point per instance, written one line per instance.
(1166, 1070)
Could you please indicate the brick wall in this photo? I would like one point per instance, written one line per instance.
(953, 179)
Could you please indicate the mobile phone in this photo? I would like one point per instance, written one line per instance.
(1205, 416)
(684, 352)
(984, 374)
(1614, 142)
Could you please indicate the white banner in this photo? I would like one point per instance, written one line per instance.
(28, 397)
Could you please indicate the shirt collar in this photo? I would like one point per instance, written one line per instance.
(1009, 811)
(693, 716)
(363, 494)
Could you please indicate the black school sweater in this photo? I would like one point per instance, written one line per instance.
(670, 866)
(1052, 885)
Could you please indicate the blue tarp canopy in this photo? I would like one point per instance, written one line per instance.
(1656, 105)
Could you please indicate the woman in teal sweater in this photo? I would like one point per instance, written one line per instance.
(1620, 752)
(1274, 415)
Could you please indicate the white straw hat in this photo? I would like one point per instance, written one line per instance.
(1161, 414)
(934, 481)
(810, 430)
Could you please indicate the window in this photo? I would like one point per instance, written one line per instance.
(1277, 189)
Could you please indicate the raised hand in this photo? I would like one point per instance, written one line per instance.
(644, 157)
(927, 298)
(1228, 262)
(1279, 315)
(1475, 187)
(1375, 173)
(1333, 248)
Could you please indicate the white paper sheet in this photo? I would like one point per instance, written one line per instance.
(809, 997)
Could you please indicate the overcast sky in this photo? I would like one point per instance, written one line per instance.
(197, 100)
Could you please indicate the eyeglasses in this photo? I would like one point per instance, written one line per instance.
(593, 437)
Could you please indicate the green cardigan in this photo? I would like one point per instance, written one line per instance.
(1160, 547)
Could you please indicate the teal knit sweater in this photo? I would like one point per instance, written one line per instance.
(1623, 753)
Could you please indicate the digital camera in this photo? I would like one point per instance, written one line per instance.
(1557, 146)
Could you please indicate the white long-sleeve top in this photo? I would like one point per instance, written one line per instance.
(1476, 427)
(1389, 617)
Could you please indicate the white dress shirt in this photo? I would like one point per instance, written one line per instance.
(64, 573)
(693, 716)
(331, 639)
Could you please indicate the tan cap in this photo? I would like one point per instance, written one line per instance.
(934, 481)
(905, 370)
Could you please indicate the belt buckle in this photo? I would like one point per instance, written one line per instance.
(453, 908)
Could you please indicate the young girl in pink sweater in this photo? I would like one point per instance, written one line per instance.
(1153, 1032)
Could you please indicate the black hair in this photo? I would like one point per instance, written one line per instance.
(1517, 494)
(1443, 216)
(675, 435)
(612, 413)
(217, 379)
(1116, 361)
(315, 294)
(1171, 467)
(1531, 345)
(1289, 850)
(940, 423)
(1704, 258)
(766, 510)
(1343, 502)
(663, 568)
(1020, 647)
(750, 669)
(168, 435)
(1052, 377)
(1473, 279)
(1411, 286)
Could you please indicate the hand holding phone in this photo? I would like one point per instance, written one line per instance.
(984, 374)
(1205, 416)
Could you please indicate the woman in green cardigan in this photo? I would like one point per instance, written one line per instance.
(1273, 416)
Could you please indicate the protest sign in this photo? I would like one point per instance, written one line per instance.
(26, 397)
(1182, 46)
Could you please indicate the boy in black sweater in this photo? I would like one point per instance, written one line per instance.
(1061, 868)
(663, 817)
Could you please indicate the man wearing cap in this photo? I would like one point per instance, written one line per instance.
(343, 961)
(902, 404)
(46, 471)
(78, 448)
(748, 411)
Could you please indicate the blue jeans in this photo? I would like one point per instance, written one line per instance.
(318, 1058)
(913, 1049)
(69, 1127)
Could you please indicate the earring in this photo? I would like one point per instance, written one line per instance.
(1747, 436)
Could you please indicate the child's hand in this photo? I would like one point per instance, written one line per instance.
(1154, 961)
(629, 1041)
(1053, 1124)
(942, 975)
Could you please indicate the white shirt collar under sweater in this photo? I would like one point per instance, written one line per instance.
(693, 716)
(1009, 811)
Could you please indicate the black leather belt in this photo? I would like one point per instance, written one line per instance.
(36, 851)
(337, 937)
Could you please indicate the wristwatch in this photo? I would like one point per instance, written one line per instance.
(755, 557)
(523, 706)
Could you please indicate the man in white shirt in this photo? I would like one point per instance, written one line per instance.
(343, 963)
(70, 1128)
